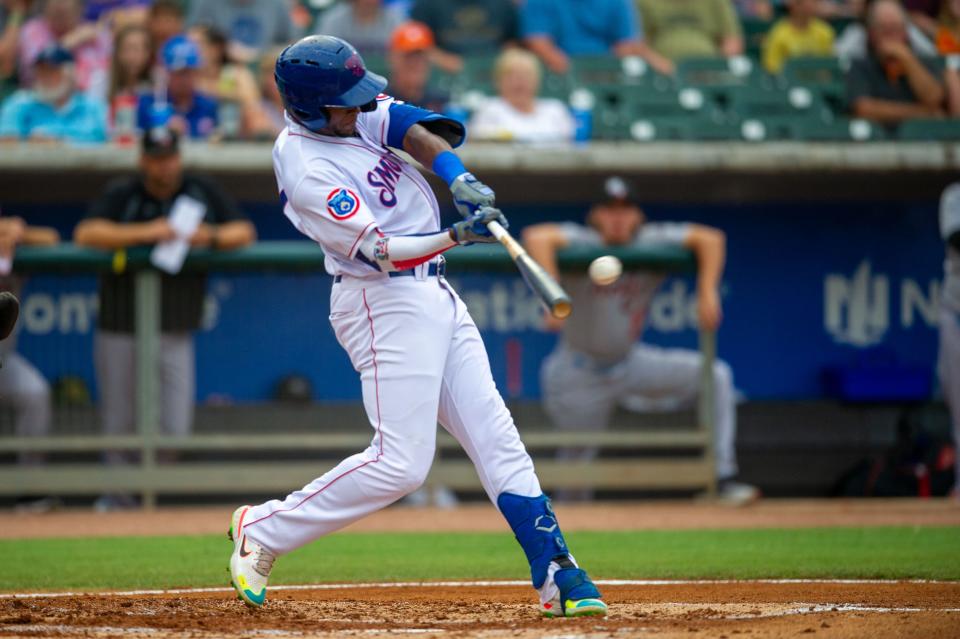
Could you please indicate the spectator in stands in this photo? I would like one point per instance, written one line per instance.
(801, 33)
(13, 13)
(681, 29)
(557, 30)
(893, 84)
(62, 23)
(467, 27)
(271, 103)
(129, 75)
(518, 115)
(852, 43)
(366, 24)
(134, 211)
(948, 28)
(251, 25)
(22, 386)
(182, 107)
(233, 85)
(600, 362)
(409, 59)
(164, 21)
(755, 9)
(54, 110)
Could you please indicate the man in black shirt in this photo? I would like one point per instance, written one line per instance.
(892, 84)
(134, 211)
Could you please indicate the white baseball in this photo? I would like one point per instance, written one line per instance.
(605, 270)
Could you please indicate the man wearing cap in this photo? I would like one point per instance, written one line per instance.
(599, 362)
(54, 110)
(410, 47)
(134, 211)
(180, 106)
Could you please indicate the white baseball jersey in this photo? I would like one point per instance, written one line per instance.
(419, 355)
(338, 190)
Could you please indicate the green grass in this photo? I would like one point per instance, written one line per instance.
(168, 562)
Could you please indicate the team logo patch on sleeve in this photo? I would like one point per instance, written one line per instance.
(342, 203)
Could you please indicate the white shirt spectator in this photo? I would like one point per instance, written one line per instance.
(549, 121)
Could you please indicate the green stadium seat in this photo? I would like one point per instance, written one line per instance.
(631, 70)
(659, 129)
(722, 72)
(797, 102)
(823, 76)
(838, 130)
(930, 130)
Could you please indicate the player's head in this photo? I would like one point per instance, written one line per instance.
(53, 69)
(160, 162)
(616, 217)
(325, 84)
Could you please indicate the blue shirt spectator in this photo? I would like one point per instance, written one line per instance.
(54, 109)
(581, 27)
(198, 120)
(183, 109)
(558, 29)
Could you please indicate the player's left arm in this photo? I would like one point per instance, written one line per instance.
(709, 245)
(430, 139)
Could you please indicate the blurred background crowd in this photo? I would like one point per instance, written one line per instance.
(95, 71)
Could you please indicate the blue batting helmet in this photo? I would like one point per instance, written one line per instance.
(322, 71)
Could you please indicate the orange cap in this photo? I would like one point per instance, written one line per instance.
(411, 36)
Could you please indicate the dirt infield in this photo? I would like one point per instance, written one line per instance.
(679, 515)
(705, 609)
(831, 609)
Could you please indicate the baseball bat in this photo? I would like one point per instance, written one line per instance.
(9, 310)
(547, 289)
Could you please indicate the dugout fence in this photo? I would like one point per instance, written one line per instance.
(249, 455)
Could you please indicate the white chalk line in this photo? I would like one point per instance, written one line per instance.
(466, 584)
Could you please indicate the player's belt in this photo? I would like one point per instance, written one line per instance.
(433, 269)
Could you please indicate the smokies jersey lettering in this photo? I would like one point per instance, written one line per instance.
(337, 190)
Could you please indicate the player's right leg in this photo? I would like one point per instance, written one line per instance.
(26, 390)
(950, 377)
(577, 399)
(397, 334)
(472, 410)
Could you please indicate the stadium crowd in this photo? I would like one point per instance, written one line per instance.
(91, 71)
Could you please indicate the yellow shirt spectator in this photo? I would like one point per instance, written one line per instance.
(787, 40)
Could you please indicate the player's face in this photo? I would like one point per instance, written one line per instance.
(162, 173)
(617, 223)
(343, 122)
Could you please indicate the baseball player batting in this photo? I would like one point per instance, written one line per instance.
(407, 332)
(950, 314)
(599, 361)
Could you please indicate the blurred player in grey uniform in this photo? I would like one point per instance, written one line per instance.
(599, 361)
(22, 386)
(950, 314)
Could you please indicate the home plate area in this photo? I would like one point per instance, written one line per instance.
(502, 609)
